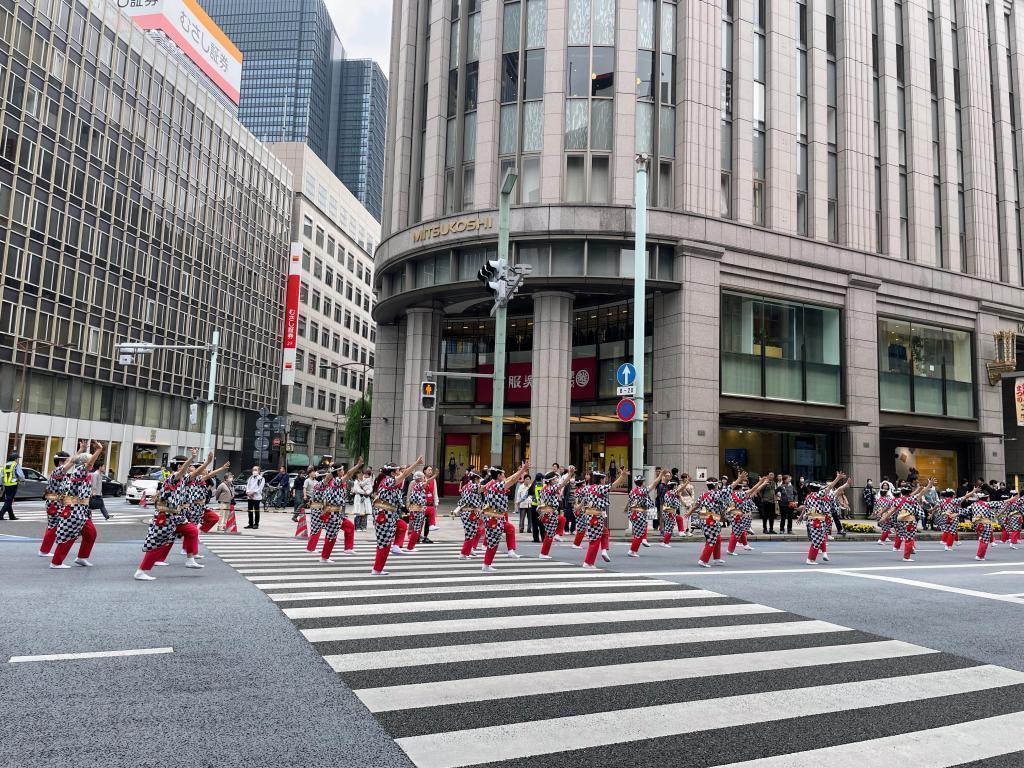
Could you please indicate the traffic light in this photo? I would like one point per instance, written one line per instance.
(428, 395)
(494, 276)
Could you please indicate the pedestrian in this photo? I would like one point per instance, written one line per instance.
(767, 499)
(569, 512)
(788, 503)
(535, 523)
(224, 495)
(430, 500)
(362, 489)
(254, 496)
(169, 521)
(659, 496)
(687, 498)
(96, 489)
(868, 497)
(13, 474)
(297, 494)
(388, 488)
(333, 515)
(280, 484)
(76, 517)
(523, 504)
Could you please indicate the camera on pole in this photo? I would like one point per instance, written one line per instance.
(428, 395)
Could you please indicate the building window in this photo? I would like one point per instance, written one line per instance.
(901, 129)
(832, 121)
(780, 350)
(727, 69)
(877, 112)
(924, 369)
(760, 97)
(307, 227)
(297, 394)
(521, 116)
(656, 94)
(958, 86)
(803, 41)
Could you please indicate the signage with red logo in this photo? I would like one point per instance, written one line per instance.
(291, 314)
(519, 381)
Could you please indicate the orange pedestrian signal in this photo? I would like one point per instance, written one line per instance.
(428, 395)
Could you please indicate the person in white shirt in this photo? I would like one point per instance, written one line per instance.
(524, 500)
(254, 495)
(96, 485)
(362, 488)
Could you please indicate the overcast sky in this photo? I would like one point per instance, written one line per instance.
(365, 28)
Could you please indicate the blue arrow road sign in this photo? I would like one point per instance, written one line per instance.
(625, 375)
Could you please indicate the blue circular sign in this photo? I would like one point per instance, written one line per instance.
(626, 375)
(626, 409)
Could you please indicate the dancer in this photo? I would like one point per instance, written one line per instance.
(881, 512)
(947, 517)
(595, 502)
(193, 496)
(709, 510)
(671, 516)
(430, 503)
(55, 492)
(983, 519)
(550, 507)
(495, 512)
(76, 517)
(744, 505)
(817, 512)
(579, 503)
(417, 506)
(470, 502)
(334, 515)
(687, 499)
(168, 521)
(385, 510)
(1013, 518)
(907, 510)
(315, 508)
(638, 506)
(195, 493)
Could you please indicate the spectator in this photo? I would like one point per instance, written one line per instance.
(929, 505)
(659, 498)
(523, 503)
(13, 475)
(538, 482)
(802, 491)
(964, 488)
(225, 495)
(768, 505)
(868, 497)
(787, 504)
(96, 494)
(568, 507)
(280, 484)
(254, 496)
(361, 489)
(298, 496)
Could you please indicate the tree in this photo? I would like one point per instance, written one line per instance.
(357, 426)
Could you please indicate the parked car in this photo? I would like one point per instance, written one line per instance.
(112, 487)
(139, 487)
(33, 486)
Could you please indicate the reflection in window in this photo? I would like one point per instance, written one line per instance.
(924, 369)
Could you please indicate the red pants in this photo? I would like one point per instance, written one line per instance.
(88, 539)
(381, 559)
(947, 538)
(812, 553)
(210, 519)
(982, 549)
(597, 545)
(733, 540)
(580, 532)
(190, 539)
(431, 518)
(634, 545)
(154, 556)
(348, 530)
(400, 528)
(908, 549)
(510, 536)
(311, 544)
(884, 536)
(49, 537)
(709, 551)
(680, 523)
(561, 525)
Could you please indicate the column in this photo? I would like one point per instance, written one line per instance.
(743, 111)
(989, 458)
(684, 412)
(817, 123)
(422, 353)
(624, 141)
(437, 94)
(386, 422)
(889, 87)
(551, 386)
(781, 117)
(860, 449)
(948, 168)
(553, 158)
(699, 114)
(920, 166)
(485, 193)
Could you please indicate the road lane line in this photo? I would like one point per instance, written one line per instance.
(89, 655)
(481, 604)
(340, 566)
(931, 585)
(463, 625)
(287, 597)
(822, 568)
(453, 749)
(359, 580)
(448, 654)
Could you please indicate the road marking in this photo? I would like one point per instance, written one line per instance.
(404, 576)
(930, 585)
(448, 654)
(358, 581)
(446, 692)
(89, 655)
(943, 747)
(427, 606)
(525, 739)
(340, 567)
(287, 597)
(823, 568)
(463, 625)
(1006, 573)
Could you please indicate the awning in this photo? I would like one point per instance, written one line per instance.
(786, 421)
(928, 431)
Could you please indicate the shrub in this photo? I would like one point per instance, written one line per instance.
(859, 527)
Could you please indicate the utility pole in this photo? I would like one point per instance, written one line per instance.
(639, 305)
(500, 320)
(210, 391)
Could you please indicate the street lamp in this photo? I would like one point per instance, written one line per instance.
(508, 184)
(640, 304)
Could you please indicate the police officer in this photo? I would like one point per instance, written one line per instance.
(12, 475)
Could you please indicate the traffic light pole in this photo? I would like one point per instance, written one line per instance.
(639, 307)
(210, 387)
(500, 315)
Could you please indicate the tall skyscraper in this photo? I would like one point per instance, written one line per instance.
(297, 86)
(359, 128)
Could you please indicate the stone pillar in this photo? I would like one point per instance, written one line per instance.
(920, 166)
(817, 123)
(388, 380)
(686, 365)
(859, 452)
(699, 113)
(780, 142)
(889, 129)
(989, 458)
(551, 388)
(422, 352)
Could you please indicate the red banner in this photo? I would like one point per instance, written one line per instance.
(519, 381)
(291, 314)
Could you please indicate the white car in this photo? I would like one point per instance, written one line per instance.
(140, 487)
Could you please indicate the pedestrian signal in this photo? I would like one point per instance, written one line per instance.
(428, 395)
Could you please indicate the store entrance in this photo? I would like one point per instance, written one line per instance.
(606, 452)
(799, 454)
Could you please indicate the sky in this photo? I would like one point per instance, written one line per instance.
(364, 27)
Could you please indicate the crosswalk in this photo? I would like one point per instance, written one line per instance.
(118, 518)
(542, 664)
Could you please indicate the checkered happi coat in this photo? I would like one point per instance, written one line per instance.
(384, 521)
(72, 519)
(595, 496)
(162, 527)
(56, 484)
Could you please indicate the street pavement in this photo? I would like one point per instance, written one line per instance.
(545, 664)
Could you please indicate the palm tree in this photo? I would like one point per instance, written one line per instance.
(357, 425)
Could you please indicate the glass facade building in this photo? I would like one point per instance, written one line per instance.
(298, 86)
(133, 207)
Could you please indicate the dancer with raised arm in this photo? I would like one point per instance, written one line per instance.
(744, 500)
(54, 496)
(907, 511)
(596, 502)
(385, 510)
(471, 500)
(334, 514)
(881, 512)
(315, 508)
(76, 517)
(638, 506)
(947, 517)
(495, 512)
(169, 521)
(550, 507)
(984, 514)
(709, 510)
(817, 512)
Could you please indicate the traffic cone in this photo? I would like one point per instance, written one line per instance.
(230, 526)
(300, 528)
(144, 501)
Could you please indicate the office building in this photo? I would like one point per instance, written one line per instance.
(297, 86)
(133, 207)
(833, 231)
(335, 330)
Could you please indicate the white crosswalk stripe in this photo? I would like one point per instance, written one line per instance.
(543, 664)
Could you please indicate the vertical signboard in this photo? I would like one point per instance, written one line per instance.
(291, 314)
(1018, 399)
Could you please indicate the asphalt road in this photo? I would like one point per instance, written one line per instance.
(241, 688)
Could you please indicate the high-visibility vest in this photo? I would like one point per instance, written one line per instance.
(9, 477)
